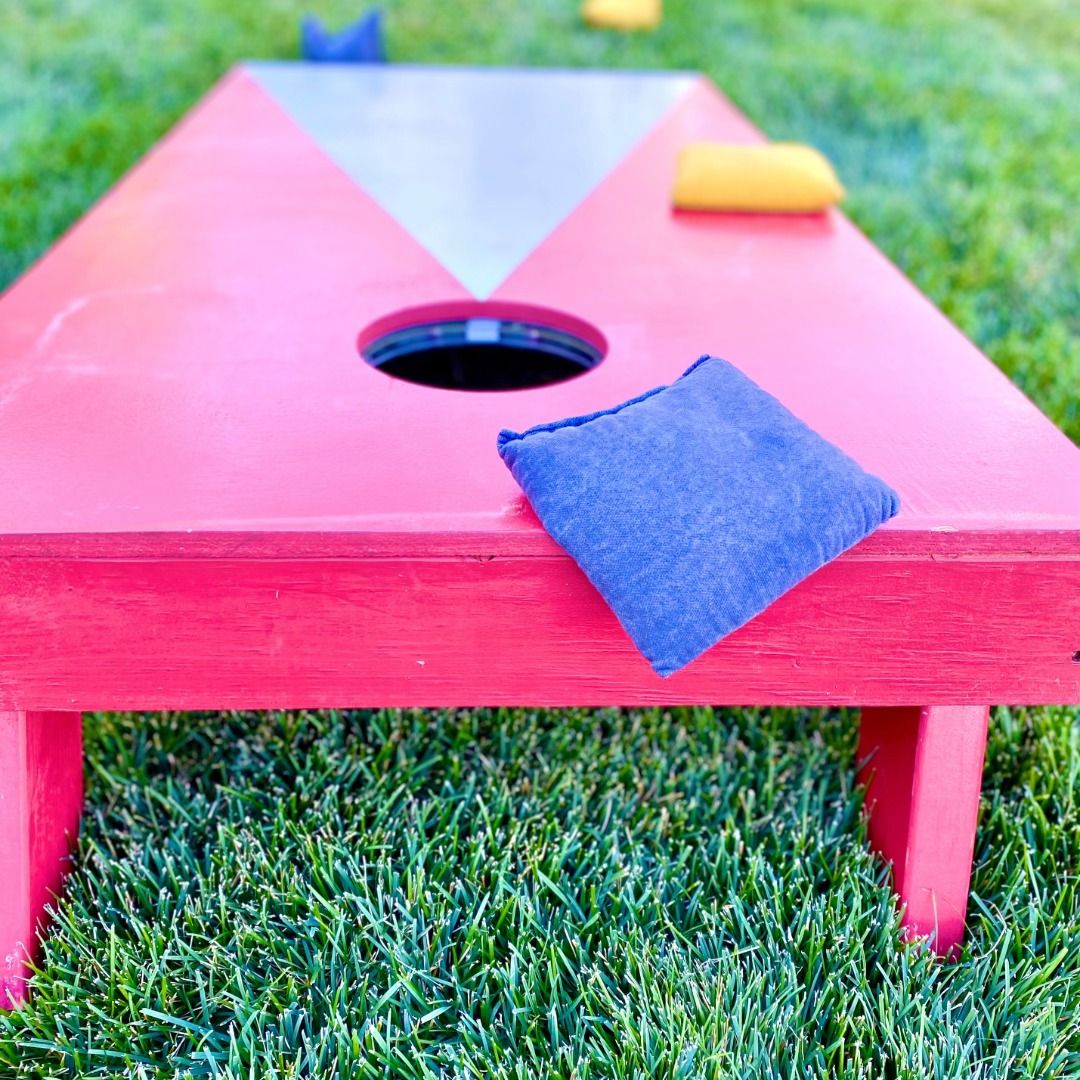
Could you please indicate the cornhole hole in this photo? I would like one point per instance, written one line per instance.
(248, 412)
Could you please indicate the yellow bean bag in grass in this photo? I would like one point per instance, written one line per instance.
(622, 14)
(785, 178)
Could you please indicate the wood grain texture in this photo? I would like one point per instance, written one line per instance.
(184, 360)
(923, 772)
(210, 500)
(40, 802)
(265, 633)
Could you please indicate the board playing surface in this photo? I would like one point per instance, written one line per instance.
(210, 499)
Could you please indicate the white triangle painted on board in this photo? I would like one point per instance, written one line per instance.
(478, 164)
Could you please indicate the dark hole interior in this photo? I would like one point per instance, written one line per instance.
(481, 367)
(481, 354)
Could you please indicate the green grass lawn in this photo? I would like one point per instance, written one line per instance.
(593, 893)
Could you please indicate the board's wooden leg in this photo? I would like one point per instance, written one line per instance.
(41, 789)
(923, 771)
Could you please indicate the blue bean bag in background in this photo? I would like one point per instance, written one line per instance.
(359, 43)
(694, 506)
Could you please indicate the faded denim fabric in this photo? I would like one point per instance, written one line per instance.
(694, 506)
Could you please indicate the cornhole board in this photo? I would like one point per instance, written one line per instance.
(211, 500)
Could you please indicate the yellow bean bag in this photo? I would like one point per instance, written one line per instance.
(770, 178)
(622, 14)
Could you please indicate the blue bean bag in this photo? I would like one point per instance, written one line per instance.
(694, 506)
(359, 43)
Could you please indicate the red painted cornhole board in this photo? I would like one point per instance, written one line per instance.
(211, 501)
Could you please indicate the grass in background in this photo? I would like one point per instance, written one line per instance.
(576, 894)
